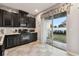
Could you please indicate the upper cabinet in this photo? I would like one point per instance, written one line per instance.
(20, 19)
(0, 17)
(7, 19)
(31, 22)
(16, 19)
(23, 21)
(23, 16)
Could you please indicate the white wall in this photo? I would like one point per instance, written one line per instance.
(73, 30)
(38, 25)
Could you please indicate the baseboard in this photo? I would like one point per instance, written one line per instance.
(72, 53)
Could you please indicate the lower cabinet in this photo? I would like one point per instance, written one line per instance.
(2, 50)
(25, 38)
(19, 39)
(33, 37)
(11, 41)
(28, 37)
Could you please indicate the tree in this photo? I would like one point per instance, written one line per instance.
(55, 26)
(61, 25)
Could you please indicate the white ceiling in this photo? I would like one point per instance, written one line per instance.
(30, 7)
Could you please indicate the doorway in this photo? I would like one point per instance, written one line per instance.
(56, 35)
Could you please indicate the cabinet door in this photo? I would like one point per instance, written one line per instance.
(7, 20)
(1, 50)
(10, 42)
(33, 36)
(31, 23)
(16, 21)
(1, 22)
(16, 40)
(22, 21)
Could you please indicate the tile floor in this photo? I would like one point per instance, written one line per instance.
(35, 49)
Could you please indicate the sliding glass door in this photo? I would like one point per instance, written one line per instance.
(59, 29)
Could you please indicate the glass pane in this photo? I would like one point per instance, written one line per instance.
(59, 29)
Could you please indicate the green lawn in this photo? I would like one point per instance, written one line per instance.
(60, 37)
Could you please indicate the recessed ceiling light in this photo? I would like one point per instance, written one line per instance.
(36, 10)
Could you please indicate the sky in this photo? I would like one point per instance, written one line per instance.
(58, 21)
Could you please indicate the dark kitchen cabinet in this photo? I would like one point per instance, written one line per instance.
(10, 19)
(19, 39)
(28, 37)
(22, 21)
(31, 22)
(24, 38)
(1, 17)
(19, 19)
(7, 19)
(2, 50)
(33, 36)
(11, 41)
(15, 18)
(23, 17)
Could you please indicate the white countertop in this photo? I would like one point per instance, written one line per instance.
(2, 39)
(12, 33)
